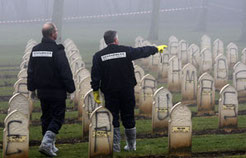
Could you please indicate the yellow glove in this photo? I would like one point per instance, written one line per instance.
(161, 48)
(96, 97)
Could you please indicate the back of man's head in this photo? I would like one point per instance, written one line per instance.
(110, 36)
(48, 29)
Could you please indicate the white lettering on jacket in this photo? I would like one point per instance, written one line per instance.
(42, 54)
(113, 56)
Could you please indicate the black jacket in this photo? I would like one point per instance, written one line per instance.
(112, 67)
(49, 71)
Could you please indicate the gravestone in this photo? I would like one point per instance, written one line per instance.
(24, 64)
(180, 131)
(29, 48)
(84, 87)
(173, 44)
(189, 84)
(206, 42)
(206, 95)
(243, 57)
(89, 106)
(77, 64)
(102, 44)
(220, 72)
(160, 110)
(206, 64)
(101, 134)
(26, 56)
(239, 80)
(148, 87)
(74, 55)
(228, 107)
(16, 136)
(21, 103)
(182, 52)
(194, 55)
(20, 86)
(79, 75)
(218, 48)
(174, 74)
(163, 66)
(139, 74)
(154, 61)
(232, 54)
(138, 41)
(22, 74)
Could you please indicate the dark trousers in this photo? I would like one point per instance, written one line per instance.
(53, 114)
(121, 102)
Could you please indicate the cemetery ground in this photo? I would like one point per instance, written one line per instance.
(207, 139)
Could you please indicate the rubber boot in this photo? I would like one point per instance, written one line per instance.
(46, 146)
(54, 148)
(116, 141)
(130, 139)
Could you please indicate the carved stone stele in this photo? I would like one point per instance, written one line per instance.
(161, 110)
(174, 74)
(180, 131)
(228, 107)
(221, 72)
(101, 134)
(239, 80)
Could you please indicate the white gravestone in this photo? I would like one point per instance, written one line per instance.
(74, 55)
(76, 65)
(220, 72)
(21, 103)
(102, 44)
(22, 74)
(173, 44)
(148, 87)
(84, 87)
(206, 42)
(174, 74)
(243, 57)
(206, 64)
(163, 66)
(194, 55)
(138, 41)
(232, 54)
(101, 134)
(160, 110)
(239, 80)
(24, 64)
(154, 61)
(182, 52)
(16, 136)
(228, 107)
(89, 106)
(218, 48)
(189, 84)
(20, 86)
(206, 95)
(180, 131)
(139, 74)
(26, 56)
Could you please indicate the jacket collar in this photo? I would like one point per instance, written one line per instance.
(47, 40)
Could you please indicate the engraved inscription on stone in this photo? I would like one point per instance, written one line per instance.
(194, 55)
(232, 54)
(220, 72)
(174, 74)
(139, 74)
(239, 80)
(206, 61)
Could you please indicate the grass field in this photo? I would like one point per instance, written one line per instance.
(207, 140)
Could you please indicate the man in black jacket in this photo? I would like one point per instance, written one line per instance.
(49, 73)
(113, 73)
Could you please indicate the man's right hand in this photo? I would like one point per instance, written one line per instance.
(97, 97)
(161, 48)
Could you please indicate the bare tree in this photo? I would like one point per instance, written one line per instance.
(57, 17)
(243, 29)
(155, 20)
(202, 21)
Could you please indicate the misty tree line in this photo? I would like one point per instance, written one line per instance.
(28, 9)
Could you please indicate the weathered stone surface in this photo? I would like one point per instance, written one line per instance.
(16, 136)
(148, 87)
(243, 57)
(189, 84)
(101, 134)
(76, 65)
(206, 95)
(221, 72)
(20, 86)
(232, 54)
(139, 41)
(239, 80)
(206, 64)
(139, 74)
(182, 52)
(173, 44)
(194, 55)
(228, 107)
(161, 110)
(174, 74)
(206, 42)
(218, 48)
(102, 44)
(163, 66)
(22, 74)
(74, 54)
(180, 131)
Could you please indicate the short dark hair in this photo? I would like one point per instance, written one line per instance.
(47, 32)
(109, 36)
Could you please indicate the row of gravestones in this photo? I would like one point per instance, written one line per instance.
(203, 60)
